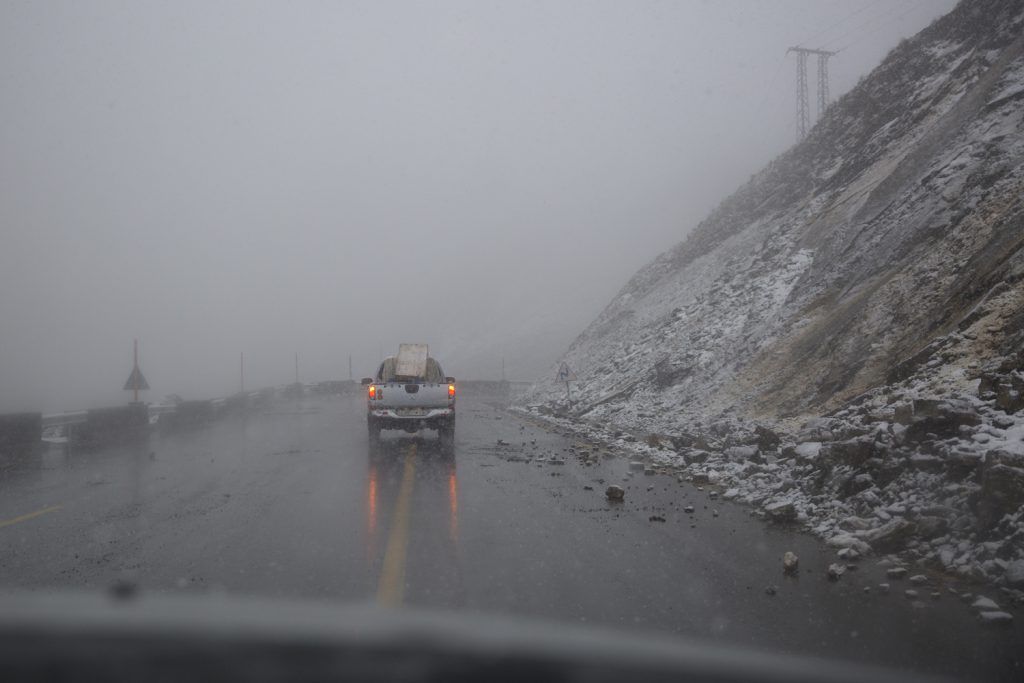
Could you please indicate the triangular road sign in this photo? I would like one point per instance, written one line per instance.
(136, 382)
(565, 374)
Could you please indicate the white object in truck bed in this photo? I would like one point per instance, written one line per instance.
(411, 360)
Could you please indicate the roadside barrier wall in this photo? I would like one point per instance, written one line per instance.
(112, 425)
(18, 430)
(188, 415)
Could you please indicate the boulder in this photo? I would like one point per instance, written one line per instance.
(996, 618)
(695, 455)
(1015, 574)
(790, 563)
(1001, 456)
(808, 450)
(850, 452)
(817, 429)
(1002, 492)
(742, 453)
(1010, 399)
(984, 604)
(903, 414)
(781, 511)
(848, 554)
(1010, 393)
(891, 536)
(931, 527)
(614, 492)
(853, 523)
(961, 464)
(855, 484)
(682, 440)
(836, 570)
(940, 417)
(926, 463)
(767, 440)
(847, 540)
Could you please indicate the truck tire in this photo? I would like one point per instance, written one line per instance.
(373, 430)
(447, 431)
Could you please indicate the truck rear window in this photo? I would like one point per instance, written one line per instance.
(433, 374)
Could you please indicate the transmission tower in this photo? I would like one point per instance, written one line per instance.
(803, 105)
(823, 82)
(803, 114)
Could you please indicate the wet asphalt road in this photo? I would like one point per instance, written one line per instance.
(293, 502)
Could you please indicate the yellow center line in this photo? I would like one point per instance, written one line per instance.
(392, 576)
(31, 515)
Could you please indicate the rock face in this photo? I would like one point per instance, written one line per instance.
(843, 337)
(895, 207)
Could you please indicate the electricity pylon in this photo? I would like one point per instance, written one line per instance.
(803, 105)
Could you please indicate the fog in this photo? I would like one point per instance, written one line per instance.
(333, 178)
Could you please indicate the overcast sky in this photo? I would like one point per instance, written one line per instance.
(334, 178)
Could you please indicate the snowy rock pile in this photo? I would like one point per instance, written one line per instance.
(937, 481)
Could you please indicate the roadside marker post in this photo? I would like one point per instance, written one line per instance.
(565, 374)
(136, 381)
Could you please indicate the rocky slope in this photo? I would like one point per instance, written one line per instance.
(842, 341)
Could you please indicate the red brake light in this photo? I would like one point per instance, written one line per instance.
(451, 391)
(373, 391)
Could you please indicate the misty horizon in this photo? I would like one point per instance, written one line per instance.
(334, 179)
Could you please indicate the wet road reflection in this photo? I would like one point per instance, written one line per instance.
(412, 513)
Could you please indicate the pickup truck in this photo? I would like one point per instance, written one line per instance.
(410, 391)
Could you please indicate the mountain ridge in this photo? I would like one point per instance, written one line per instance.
(824, 198)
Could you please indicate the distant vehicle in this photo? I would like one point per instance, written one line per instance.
(410, 391)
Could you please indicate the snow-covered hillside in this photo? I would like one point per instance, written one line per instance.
(861, 299)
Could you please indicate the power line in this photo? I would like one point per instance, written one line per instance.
(851, 34)
(921, 3)
(771, 83)
(842, 21)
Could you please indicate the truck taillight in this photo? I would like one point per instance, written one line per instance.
(373, 391)
(451, 391)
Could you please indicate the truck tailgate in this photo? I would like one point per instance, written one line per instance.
(412, 395)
